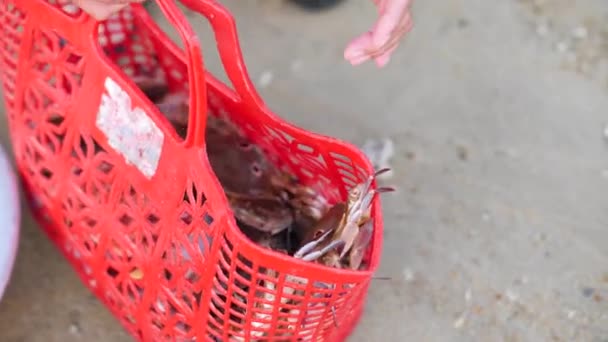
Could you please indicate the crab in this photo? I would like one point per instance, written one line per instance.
(261, 196)
(346, 227)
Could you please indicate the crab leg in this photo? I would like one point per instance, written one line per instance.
(316, 255)
(307, 248)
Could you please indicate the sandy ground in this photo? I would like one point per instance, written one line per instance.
(497, 110)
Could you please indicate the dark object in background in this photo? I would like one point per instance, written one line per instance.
(316, 5)
(310, 5)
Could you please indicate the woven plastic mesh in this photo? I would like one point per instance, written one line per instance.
(162, 251)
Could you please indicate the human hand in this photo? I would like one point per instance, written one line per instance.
(394, 21)
(102, 9)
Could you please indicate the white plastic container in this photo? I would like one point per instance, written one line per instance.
(10, 219)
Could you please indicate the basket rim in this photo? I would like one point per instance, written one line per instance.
(300, 267)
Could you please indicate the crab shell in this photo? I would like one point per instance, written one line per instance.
(268, 215)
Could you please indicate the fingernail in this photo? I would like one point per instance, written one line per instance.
(354, 53)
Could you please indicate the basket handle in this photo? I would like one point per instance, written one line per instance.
(228, 46)
(195, 68)
(231, 56)
(226, 37)
(196, 71)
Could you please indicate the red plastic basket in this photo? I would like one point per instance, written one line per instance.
(136, 209)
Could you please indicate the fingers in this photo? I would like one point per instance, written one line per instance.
(363, 48)
(383, 59)
(391, 17)
(356, 52)
(393, 23)
(403, 27)
(102, 9)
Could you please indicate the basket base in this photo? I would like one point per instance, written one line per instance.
(47, 226)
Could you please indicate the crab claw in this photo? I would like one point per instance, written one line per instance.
(349, 235)
(360, 244)
(371, 178)
(366, 201)
(359, 194)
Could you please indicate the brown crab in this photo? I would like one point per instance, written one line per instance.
(261, 196)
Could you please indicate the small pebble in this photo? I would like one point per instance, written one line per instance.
(459, 322)
(463, 152)
(511, 295)
(588, 292)
(265, 79)
(408, 275)
(580, 32)
(562, 47)
(75, 329)
(571, 314)
(542, 30)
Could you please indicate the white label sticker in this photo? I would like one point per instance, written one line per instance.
(129, 130)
